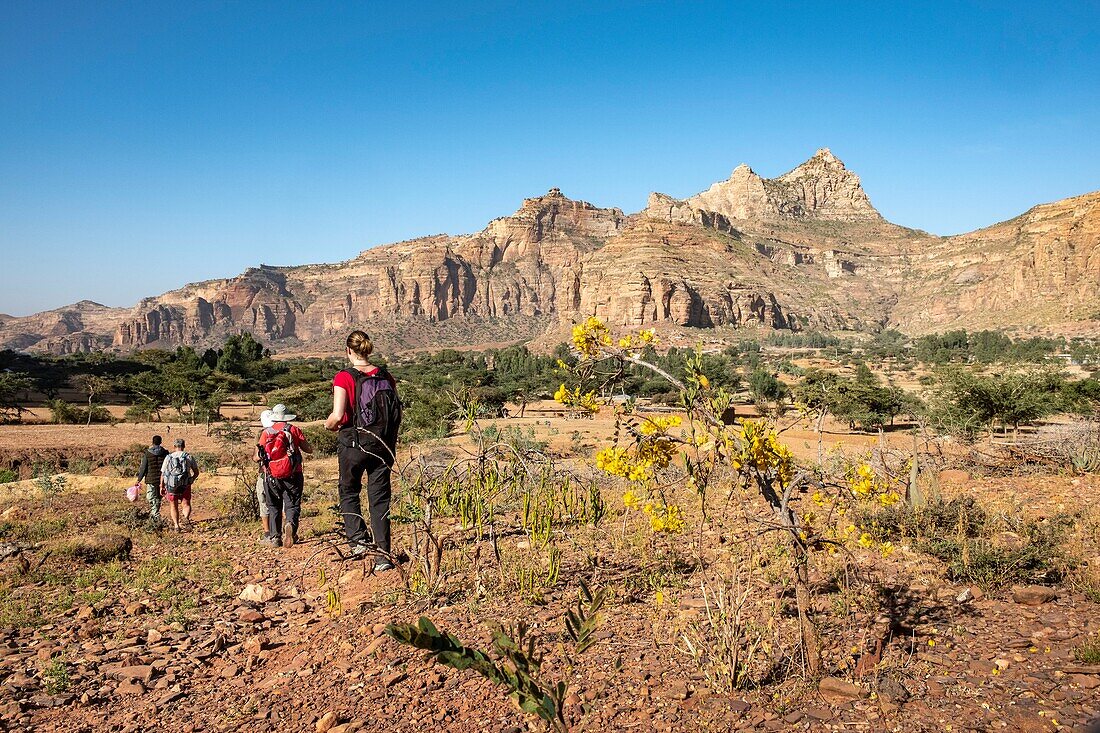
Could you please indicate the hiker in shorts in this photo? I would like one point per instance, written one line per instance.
(149, 473)
(261, 478)
(281, 446)
(177, 476)
(367, 413)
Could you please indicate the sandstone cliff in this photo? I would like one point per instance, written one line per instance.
(803, 250)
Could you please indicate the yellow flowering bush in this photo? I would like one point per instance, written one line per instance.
(865, 484)
(759, 449)
(804, 505)
(584, 402)
(656, 425)
(665, 518)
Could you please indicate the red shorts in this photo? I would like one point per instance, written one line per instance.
(184, 494)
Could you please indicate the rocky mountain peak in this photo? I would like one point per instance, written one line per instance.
(820, 188)
(555, 215)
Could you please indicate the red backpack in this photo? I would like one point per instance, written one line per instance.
(283, 457)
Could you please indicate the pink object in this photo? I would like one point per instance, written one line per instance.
(133, 492)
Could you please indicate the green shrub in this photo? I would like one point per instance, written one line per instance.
(7, 475)
(311, 401)
(142, 411)
(959, 533)
(321, 440)
(80, 466)
(208, 462)
(66, 413)
(1089, 651)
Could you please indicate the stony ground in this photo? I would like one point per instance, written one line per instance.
(164, 640)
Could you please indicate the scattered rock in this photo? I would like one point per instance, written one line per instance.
(393, 678)
(252, 616)
(836, 690)
(352, 576)
(142, 672)
(257, 593)
(1084, 681)
(326, 723)
(1008, 541)
(1033, 595)
(130, 687)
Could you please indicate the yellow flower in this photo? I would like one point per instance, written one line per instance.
(631, 500)
(589, 337)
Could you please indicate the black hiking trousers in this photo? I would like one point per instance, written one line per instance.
(354, 465)
(284, 496)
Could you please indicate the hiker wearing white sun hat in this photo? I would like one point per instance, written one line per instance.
(281, 445)
(261, 479)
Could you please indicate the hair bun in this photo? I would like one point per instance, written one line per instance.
(360, 344)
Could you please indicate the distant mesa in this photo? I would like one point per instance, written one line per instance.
(804, 250)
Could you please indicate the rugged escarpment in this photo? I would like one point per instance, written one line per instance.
(803, 250)
(1039, 270)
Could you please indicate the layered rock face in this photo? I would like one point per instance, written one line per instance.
(803, 250)
(1039, 269)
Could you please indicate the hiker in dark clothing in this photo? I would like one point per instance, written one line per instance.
(149, 472)
(367, 413)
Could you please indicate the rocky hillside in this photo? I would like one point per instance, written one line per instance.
(803, 250)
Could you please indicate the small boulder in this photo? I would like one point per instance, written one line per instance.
(252, 617)
(100, 548)
(326, 723)
(836, 690)
(142, 672)
(130, 687)
(1033, 595)
(257, 593)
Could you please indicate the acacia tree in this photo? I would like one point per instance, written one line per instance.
(966, 402)
(93, 385)
(13, 388)
(816, 396)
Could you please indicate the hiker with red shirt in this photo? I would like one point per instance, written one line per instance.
(281, 447)
(367, 413)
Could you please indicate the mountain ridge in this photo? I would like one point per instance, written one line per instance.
(806, 249)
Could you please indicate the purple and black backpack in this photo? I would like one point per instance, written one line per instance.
(375, 414)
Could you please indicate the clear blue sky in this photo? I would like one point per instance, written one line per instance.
(144, 145)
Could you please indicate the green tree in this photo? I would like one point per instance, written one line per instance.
(817, 394)
(13, 389)
(93, 385)
(767, 390)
